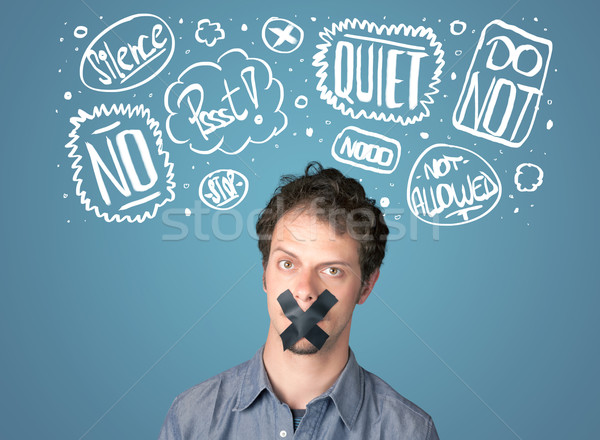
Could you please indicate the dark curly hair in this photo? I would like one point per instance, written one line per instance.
(339, 200)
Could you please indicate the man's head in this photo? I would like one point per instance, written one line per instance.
(334, 199)
(319, 232)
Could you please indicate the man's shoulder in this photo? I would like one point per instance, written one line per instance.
(380, 396)
(225, 383)
(194, 411)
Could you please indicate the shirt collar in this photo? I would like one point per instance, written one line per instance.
(347, 392)
(254, 381)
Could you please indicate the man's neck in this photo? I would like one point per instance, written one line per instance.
(297, 379)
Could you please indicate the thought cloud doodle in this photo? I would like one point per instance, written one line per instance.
(209, 33)
(502, 91)
(121, 170)
(225, 105)
(281, 35)
(528, 177)
(223, 189)
(366, 150)
(450, 185)
(387, 73)
(127, 54)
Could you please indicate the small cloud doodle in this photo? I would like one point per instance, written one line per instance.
(209, 33)
(528, 177)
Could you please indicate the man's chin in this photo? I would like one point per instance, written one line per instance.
(303, 348)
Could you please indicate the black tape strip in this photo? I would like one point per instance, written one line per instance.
(304, 323)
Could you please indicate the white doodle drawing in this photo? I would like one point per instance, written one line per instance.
(384, 202)
(209, 33)
(309, 131)
(450, 186)
(225, 105)
(223, 189)
(549, 124)
(80, 32)
(121, 170)
(503, 87)
(387, 73)
(127, 54)
(301, 102)
(366, 150)
(457, 27)
(281, 35)
(536, 182)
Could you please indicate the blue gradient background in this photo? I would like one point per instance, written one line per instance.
(492, 328)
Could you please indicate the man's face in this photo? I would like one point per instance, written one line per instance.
(307, 257)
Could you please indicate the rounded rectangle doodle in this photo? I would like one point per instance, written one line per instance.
(367, 150)
(121, 170)
(225, 105)
(388, 72)
(450, 185)
(502, 91)
(223, 189)
(127, 54)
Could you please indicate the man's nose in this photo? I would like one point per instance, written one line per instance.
(306, 290)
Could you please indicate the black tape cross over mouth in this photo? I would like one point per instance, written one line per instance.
(304, 323)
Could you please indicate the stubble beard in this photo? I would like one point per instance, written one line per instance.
(303, 349)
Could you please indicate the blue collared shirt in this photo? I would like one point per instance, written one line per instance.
(240, 404)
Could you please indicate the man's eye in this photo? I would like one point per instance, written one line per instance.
(286, 264)
(333, 271)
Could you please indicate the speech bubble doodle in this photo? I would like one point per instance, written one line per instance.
(366, 150)
(387, 73)
(502, 91)
(223, 189)
(453, 184)
(536, 182)
(281, 35)
(121, 170)
(127, 54)
(225, 105)
(209, 33)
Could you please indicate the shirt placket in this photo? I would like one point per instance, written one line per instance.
(284, 422)
(309, 426)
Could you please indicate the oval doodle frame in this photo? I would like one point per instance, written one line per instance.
(418, 161)
(109, 29)
(212, 173)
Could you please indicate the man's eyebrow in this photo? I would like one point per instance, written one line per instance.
(324, 263)
(280, 249)
(336, 263)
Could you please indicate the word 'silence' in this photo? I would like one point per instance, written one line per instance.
(123, 57)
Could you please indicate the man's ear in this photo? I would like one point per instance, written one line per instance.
(264, 281)
(366, 289)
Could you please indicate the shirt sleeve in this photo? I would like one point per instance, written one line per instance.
(170, 429)
(432, 432)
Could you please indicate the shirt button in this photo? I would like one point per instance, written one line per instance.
(282, 434)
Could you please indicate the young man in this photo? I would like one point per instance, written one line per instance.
(322, 243)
